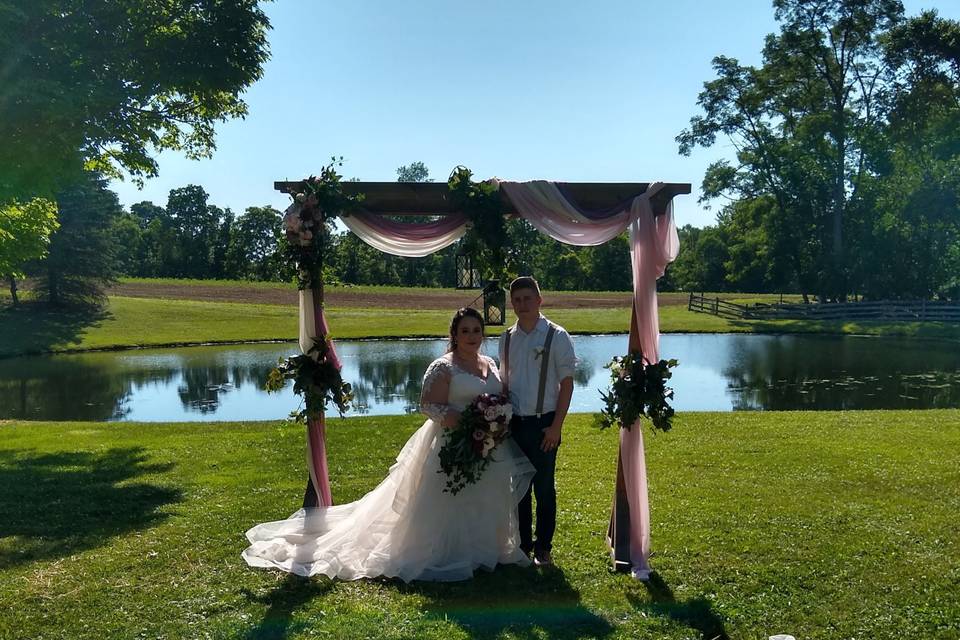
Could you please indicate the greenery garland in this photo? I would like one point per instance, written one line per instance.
(315, 378)
(487, 234)
(306, 226)
(637, 389)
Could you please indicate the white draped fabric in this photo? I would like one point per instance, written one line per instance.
(407, 239)
(543, 205)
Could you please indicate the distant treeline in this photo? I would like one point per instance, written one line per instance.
(188, 237)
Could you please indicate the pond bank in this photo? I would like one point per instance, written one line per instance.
(143, 322)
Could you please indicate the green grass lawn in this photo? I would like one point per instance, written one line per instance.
(823, 525)
(127, 322)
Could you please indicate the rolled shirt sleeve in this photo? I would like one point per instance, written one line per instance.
(563, 356)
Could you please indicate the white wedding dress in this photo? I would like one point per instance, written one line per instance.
(407, 527)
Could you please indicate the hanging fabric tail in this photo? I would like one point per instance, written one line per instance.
(653, 245)
(313, 324)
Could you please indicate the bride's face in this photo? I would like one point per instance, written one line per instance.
(469, 335)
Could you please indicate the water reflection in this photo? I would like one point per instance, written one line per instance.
(717, 372)
(864, 373)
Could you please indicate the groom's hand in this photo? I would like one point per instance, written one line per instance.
(551, 437)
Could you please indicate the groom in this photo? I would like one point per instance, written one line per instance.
(538, 361)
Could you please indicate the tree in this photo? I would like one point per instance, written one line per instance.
(129, 245)
(24, 235)
(198, 230)
(701, 266)
(71, 100)
(82, 255)
(913, 247)
(802, 123)
(414, 172)
(253, 251)
(607, 266)
(146, 212)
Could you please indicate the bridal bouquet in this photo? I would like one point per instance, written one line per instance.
(465, 454)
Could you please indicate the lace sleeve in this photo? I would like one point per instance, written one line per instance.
(436, 390)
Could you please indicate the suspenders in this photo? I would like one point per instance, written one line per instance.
(544, 362)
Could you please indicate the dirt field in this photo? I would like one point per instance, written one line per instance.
(361, 297)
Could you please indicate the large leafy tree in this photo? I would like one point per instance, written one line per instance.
(913, 245)
(105, 84)
(414, 172)
(812, 128)
(198, 231)
(82, 255)
(254, 247)
(25, 230)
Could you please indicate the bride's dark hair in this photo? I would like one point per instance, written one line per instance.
(464, 312)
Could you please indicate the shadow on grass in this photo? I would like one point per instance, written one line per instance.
(696, 613)
(528, 603)
(36, 327)
(53, 505)
(292, 593)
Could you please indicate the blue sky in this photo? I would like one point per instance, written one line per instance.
(573, 91)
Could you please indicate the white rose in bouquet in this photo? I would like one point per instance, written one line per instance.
(488, 444)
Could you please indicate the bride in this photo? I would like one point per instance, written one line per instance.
(407, 527)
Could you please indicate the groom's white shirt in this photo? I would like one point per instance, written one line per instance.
(526, 351)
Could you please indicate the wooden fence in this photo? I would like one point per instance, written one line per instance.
(884, 310)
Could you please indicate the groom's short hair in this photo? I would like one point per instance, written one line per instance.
(524, 282)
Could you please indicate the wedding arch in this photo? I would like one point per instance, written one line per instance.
(582, 214)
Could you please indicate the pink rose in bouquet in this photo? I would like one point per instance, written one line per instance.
(467, 449)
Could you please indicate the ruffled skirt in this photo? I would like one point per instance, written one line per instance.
(407, 527)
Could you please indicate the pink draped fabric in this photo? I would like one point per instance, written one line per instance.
(317, 460)
(408, 239)
(544, 206)
(313, 324)
(653, 244)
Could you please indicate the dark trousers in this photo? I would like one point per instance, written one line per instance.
(528, 433)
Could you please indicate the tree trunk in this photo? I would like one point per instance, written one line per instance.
(13, 290)
(839, 284)
(53, 288)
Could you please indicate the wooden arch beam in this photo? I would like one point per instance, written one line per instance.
(432, 198)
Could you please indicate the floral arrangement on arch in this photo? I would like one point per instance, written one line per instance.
(315, 378)
(320, 199)
(637, 389)
(486, 236)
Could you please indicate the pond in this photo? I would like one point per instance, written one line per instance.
(717, 372)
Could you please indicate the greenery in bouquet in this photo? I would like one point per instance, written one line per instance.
(637, 389)
(315, 378)
(467, 447)
(306, 224)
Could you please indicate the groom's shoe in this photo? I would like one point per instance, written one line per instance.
(542, 559)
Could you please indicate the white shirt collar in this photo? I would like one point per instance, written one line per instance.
(540, 327)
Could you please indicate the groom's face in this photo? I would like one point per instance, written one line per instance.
(526, 303)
